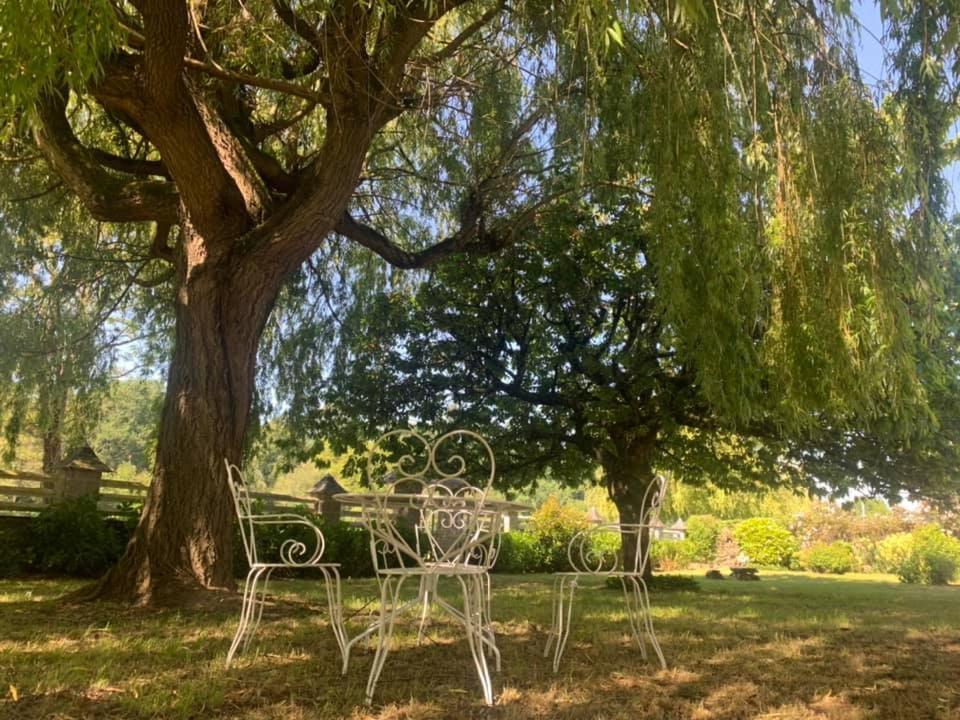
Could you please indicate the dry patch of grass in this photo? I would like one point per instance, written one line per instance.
(790, 647)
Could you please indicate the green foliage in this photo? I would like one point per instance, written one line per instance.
(892, 552)
(702, 534)
(826, 523)
(554, 525)
(672, 554)
(13, 551)
(926, 556)
(520, 552)
(46, 43)
(127, 430)
(344, 543)
(73, 538)
(836, 558)
(766, 542)
(348, 545)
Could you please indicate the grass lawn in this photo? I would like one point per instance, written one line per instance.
(788, 647)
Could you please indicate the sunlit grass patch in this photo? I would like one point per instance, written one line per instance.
(790, 646)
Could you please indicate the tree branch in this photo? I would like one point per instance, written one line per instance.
(107, 197)
(131, 166)
(450, 49)
(159, 247)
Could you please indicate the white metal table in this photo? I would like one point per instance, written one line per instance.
(455, 513)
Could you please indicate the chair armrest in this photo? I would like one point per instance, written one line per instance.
(294, 551)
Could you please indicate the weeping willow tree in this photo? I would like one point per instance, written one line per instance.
(262, 141)
(749, 288)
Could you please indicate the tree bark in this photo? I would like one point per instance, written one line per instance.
(52, 450)
(184, 538)
(628, 470)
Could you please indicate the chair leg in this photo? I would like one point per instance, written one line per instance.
(564, 615)
(473, 603)
(331, 580)
(640, 589)
(246, 610)
(489, 636)
(387, 618)
(554, 600)
(428, 590)
(631, 597)
(260, 600)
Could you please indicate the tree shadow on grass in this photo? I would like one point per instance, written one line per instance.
(744, 653)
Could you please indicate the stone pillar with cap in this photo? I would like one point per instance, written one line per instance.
(322, 493)
(79, 474)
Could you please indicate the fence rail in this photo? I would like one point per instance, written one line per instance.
(27, 493)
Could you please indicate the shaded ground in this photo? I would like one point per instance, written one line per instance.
(789, 647)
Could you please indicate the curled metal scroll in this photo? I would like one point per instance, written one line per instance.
(293, 551)
(594, 551)
(445, 506)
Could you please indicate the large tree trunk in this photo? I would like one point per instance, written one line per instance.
(628, 470)
(184, 538)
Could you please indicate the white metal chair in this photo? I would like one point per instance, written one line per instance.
(454, 536)
(294, 552)
(588, 557)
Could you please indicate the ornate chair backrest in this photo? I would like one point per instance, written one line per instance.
(244, 507)
(428, 484)
(598, 550)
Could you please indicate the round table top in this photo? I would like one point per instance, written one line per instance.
(416, 500)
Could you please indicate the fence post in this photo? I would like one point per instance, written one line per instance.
(323, 493)
(79, 475)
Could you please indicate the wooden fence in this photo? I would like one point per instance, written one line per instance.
(26, 493)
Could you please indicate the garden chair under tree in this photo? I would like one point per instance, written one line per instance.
(301, 547)
(589, 556)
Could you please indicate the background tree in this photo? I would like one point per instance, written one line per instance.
(127, 427)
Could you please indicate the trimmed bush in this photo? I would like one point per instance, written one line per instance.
(702, 534)
(13, 558)
(73, 538)
(835, 558)
(766, 542)
(348, 545)
(933, 557)
(554, 525)
(520, 552)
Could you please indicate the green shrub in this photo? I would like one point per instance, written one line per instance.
(702, 534)
(766, 542)
(348, 545)
(554, 525)
(604, 549)
(933, 559)
(836, 558)
(520, 552)
(13, 556)
(73, 538)
(671, 554)
(344, 543)
(892, 552)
